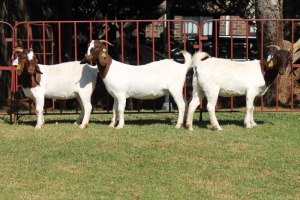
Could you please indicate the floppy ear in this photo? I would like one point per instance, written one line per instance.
(37, 69)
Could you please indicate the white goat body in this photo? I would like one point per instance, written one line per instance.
(147, 81)
(215, 77)
(64, 81)
(231, 78)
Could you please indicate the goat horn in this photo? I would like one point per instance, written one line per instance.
(286, 45)
(17, 49)
(276, 46)
(296, 56)
(106, 42)
(296, 46)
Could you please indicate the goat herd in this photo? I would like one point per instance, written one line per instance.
(213, 77)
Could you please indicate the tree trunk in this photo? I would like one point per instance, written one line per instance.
(10, 12)
(271, 9)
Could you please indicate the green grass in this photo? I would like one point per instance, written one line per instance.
(150, 159)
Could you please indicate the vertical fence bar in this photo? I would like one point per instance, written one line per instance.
(277, 78)
(292, 65)
(59, 42)
(122, 42)
(91, 31)
(75, 40)
(247, 39)
(44, 43)
(231, 56)
(262, 57)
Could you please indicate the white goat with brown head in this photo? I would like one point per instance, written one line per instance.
(61, 81)
(215, 77)
(148, 81)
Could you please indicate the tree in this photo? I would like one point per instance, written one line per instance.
(269, 10)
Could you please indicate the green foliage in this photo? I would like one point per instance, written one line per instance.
(150, 159)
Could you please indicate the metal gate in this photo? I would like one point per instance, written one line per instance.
(142, 41)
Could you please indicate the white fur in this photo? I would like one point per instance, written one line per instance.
(65, 81)
(223, 77)
(148, 81)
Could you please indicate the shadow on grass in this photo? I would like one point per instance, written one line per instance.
(138, 122)
(206, 123)
(167, 121)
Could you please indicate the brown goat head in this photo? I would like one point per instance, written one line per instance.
(280, 60)
(27, 63)
(97, 52)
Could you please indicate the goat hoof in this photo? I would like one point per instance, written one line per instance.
(119, 127)
(178, 126)
(38, 127)
(191, 129)
(253, 124)
(215, 128)
(112, 125)
(83, 126)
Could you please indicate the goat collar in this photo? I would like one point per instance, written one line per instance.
(104, 66)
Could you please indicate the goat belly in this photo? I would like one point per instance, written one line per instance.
(146, 94)
(230, 93)
(60, 95)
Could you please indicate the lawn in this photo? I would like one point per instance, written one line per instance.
(150, 159)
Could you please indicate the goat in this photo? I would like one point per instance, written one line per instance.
(147, 81)
(61, 81)
(215, 77)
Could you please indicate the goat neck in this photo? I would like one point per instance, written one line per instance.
(98, 52)
(103, 65)
(30, 81)
(270, 75)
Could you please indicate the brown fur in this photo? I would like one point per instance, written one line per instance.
(29, 72)
(103, 62)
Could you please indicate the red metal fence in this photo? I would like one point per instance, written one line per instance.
(7, 72)
(139, 42)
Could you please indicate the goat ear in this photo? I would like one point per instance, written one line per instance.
(38, 70)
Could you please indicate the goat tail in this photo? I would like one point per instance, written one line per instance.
(187, 58)
(198, 57)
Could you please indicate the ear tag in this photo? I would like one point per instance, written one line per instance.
(18, 67)
(104, 53)
(270, 64)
